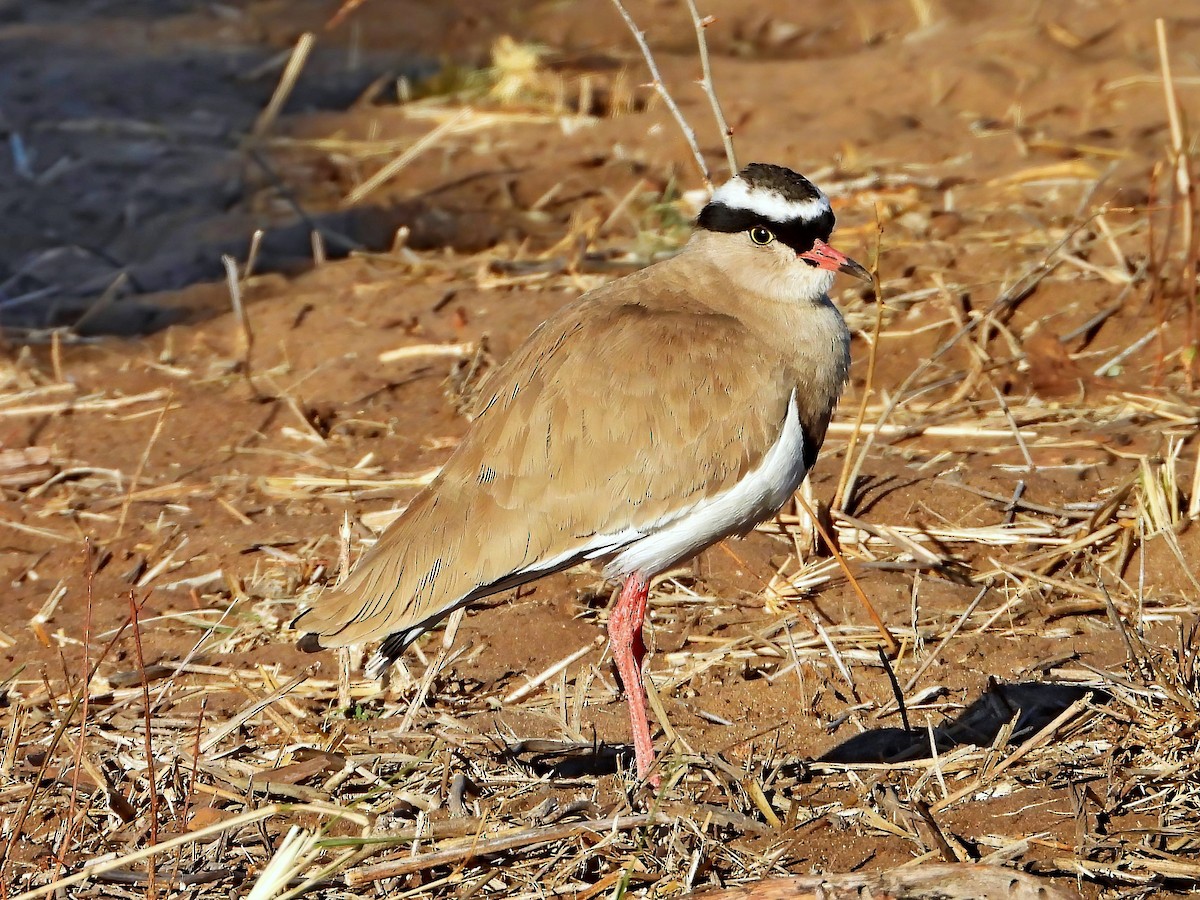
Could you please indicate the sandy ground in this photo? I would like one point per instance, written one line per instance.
(1008, 164)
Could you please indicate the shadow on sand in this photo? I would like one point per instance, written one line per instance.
(1033, 706)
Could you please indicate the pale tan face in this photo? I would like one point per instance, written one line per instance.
(771, 270)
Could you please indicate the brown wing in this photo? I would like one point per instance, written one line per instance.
(610, 416)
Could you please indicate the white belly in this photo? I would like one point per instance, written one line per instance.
(758, 496)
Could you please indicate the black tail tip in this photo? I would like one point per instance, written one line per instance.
(310, 643)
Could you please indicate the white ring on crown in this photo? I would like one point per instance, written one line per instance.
(737, 194)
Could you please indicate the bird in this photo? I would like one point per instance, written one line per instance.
(645, 421)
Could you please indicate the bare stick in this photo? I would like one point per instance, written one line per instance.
(345, 533)
(1016, 429)
(688, 133)
(409, 862)
(431, 671)
(287, 81)
(151, 774)
(343, 12)
(239, 310)
(888, 638)
(418, 147)
(1182, 179)
(137, 474)
(1133, 348)
(252, 254)
(534, 683)
(1183, 184)
(700, 24)
(844, 486)
(837, 657)
(89, 568)
(937, 651)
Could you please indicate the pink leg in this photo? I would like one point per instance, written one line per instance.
(625, 638)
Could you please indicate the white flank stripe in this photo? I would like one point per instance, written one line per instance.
(760, 494)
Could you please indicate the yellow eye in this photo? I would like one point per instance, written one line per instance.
(761, 235)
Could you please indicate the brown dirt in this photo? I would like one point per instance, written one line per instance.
(977, 139)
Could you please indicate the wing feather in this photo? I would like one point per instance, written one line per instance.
(567, 449)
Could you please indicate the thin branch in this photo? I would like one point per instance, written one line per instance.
(688, 133)
(844, 486)
(888, 638)
(701, 24)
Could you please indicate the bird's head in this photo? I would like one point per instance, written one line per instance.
(768, 228)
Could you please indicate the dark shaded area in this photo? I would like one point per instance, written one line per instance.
(285, 249)
(128, 167)
(567, 759)
(1034, 704)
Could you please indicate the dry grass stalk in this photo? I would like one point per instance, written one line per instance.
(426, 142)
(537, 681)
(287, 81)
(427, 351)
(90, 403)
(1183, 185)
(487, 847)
(474, 847)
(844, 486)
(246, 342)
(141, 467)
(888, 638)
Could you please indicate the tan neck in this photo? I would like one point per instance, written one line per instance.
(803, 327)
